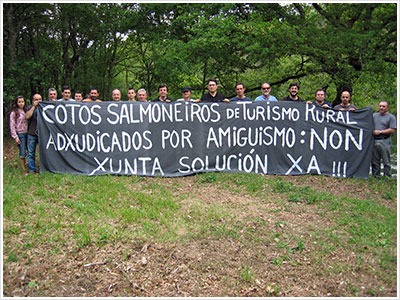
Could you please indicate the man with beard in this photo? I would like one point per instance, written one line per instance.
(93, 95)
(293, 93)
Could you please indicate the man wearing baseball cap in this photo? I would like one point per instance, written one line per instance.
(186, 94)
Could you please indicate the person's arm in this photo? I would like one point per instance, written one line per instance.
(13, 126)
(385, 131)
(29, 113)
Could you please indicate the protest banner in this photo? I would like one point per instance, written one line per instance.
(178, 139)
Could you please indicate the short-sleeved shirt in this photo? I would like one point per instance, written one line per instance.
(158, 99)
(262, 98)
(340, 106)
(237, 99)
(208, 98)
(290, 99)
(383, 122)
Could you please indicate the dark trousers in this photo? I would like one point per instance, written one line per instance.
(381, 152)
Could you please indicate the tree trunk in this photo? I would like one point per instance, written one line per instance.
(12, 34)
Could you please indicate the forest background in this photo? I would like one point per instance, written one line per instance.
(119, 45)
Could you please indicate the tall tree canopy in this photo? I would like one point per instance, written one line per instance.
(331, 46)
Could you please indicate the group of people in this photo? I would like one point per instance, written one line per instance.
(212, 96)
(23, 119)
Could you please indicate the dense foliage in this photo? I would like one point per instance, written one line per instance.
(329, 46)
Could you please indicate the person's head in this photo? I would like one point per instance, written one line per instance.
(320, 95)
(266, 89)
(163, 91)
(66, 92)
(345, 97)
(383, 107)
(36, 97)
(52, 94)
(19, 103)
(240, 89)
(294, 89)
(142, 95)
(94, 93)
(212, 85)
(116, 95)
(131, 94)
(78, 96)
(186, 92)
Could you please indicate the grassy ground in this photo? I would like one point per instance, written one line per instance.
(213, 234)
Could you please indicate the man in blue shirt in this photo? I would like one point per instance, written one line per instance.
(240, 89)
(320, 99)
(266, 96)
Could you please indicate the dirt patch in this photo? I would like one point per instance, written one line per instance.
(275, 252)
(202, 268)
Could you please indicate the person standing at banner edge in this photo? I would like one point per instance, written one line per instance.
(33, 139)
(19, 128)
(385, 126)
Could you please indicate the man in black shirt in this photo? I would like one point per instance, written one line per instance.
(163, 94)
(293, 91)
(33, 138)
(213, 95)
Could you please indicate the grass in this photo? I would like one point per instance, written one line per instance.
(55, 212)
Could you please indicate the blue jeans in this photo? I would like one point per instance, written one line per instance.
(32, 143)
(22, 147)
